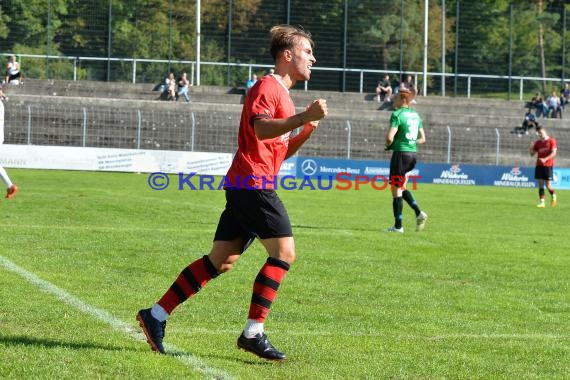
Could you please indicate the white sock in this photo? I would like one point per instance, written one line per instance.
(252, 328)
(5, 178)
(159, 313)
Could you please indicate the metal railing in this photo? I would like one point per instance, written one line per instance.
(520, 82)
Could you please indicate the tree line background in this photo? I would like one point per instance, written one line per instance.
(487, 37)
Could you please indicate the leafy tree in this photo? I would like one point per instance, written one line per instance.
(4, 19)
(380, 30)
(381, 34)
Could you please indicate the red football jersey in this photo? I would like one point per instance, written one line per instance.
(257, 162)
(543, 148)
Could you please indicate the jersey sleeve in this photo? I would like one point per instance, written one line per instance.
(264, 101)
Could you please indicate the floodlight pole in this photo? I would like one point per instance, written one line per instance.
(426, 5)
(198, 42)
(443, 25)
(109, 36)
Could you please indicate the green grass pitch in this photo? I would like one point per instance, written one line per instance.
(482, 293)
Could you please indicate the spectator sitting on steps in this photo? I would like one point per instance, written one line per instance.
(13, 75)
(384, 89)
(183, 87)
(554, 106)
(537, 102)
(170, 87)
(408, 83)
(528, 123)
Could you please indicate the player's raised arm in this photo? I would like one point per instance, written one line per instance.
(315, 112)
(271, 128)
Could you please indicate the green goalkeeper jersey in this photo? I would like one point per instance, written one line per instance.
(408, 123)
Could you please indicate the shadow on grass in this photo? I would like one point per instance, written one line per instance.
(20, 340)
(248, 359)
(308, 227)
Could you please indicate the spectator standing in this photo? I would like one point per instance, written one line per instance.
(564, 95)
(13, 75)
(384, 89)
(183, 87)
(403, 135)
(253, 208)
(11, 188)
(545, 149)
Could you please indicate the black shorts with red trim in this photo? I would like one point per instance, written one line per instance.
(253, 213)
(544, 172)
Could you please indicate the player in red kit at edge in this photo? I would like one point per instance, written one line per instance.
(545, 148)
(253, 209)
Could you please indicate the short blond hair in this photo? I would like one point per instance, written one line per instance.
(285, 37)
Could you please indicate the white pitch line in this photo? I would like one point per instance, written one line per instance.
(117, 324)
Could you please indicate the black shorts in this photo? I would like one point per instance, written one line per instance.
(253, 213)
(402, 163)
(544, 172)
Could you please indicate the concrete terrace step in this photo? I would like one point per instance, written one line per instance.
(434, 109)
(448, 118)
(121, 90)
(114, 90)
(72, 101)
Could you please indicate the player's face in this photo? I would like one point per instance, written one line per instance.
(302, 60)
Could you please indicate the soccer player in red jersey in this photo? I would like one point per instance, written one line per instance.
(545, 149)
(253, 208)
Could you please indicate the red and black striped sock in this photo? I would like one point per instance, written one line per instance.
(189, 282)
(265, 288)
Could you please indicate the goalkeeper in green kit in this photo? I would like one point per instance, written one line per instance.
(405, 132)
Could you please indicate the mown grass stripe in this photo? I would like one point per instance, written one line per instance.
(104, 316)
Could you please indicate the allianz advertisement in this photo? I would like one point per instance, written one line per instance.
(451, 174)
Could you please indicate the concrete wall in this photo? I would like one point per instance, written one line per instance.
(127, 115)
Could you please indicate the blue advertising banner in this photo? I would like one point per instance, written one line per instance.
(452, 174)
(561, 179)
(514, 177)
(455, 174)
(288, 167)
(315, 166)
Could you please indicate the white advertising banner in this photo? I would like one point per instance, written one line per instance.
(117, 160)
